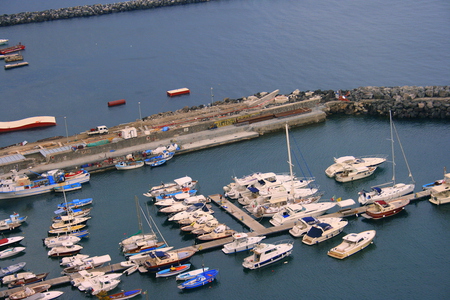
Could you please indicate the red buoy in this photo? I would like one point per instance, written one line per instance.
(117, 102)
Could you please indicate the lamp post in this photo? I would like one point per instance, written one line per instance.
(212, 97)
(140, 116)
(67, 132)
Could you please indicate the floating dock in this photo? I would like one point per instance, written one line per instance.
(177, 92)
(12, 66)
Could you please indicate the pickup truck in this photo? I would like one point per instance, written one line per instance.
(98, 130)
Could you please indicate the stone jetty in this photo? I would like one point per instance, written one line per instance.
(88, 11)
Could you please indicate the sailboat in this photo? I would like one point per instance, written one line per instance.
(397, 189)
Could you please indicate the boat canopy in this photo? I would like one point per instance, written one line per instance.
(183, 180)
(309, 220)
(253, 189)
(314, 232)
(158, 254)
(377, 189)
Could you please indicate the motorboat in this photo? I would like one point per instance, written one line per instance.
(191, 214)
(100, 283)
(382, 209)
(181, 195)
(83, 276)
(302, 226)
(68, 261)
(68, 187)
(441, 194)
(241, 242)
(10, 240)
(11, 252)
(200, 280)
(67, 249)
(177, 185)
(208, 227)
(68, 229)
(147, 246)
(55, 241)
(27, 280)
(48, 295)
(159, 159)
(265, 254)
(20, 185)
(87, 263)
(206, 220)
(324, 230)
(294, 212)
(340, 163)
(69, 221)
(71, 213)
(77, 203)
(17, 276)
(124, 295)
(173, 270)
(29, 291)
(15, 218)
(352, 243)
(12, 269)
(191, 274)
(160, 260)
(129, 165)
(220, 232)
(352, 173)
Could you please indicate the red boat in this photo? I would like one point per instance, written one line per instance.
(24, 281)
(178, 92)
(27, 123)
(382, 209)
(12, 49)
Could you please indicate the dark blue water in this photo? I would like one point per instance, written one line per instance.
(240, 48)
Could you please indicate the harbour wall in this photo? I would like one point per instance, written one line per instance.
(88, 11)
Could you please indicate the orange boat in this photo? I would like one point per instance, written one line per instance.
(12, 49)
(27, 123)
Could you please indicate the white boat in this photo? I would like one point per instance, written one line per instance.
(220, 232)
(177, 207)
(177, 185)
(397, 189)
(191, 274)
(100, 283)
(324, 230)
(88, 263)
(20, 185)
(28, 292)
(200, 223)
(294, 212)
(352, 173)
(201, 227)
(49, 295)
(4, 41)
(68, 187)
(66, 261)
(190, 215)
(67, 249)
(241, 242)
(83, 276)
(441, 194)
(67, 221)
(352, 243)
(12, 269)
(17, 276)
(10, 240)
(129, 165)
(265, 254)
(365, 161)
(302, 226)
(11, 252)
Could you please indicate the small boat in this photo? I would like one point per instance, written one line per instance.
(67, 261)
(206, 220)
(173, 270)
(440, 194)
(202, 228)
(68, 229)
(324, 230)
(11, 240)
(191, 274)
(294, 212)
(220, 232)
(67, 249)
(365, 161)
(68, 187)
(302, 226)
(200, 280)
(189, 218)
(86, 263)
(12, 269)
(101, 283)
(120, 296)
(241, 242)
(17, 276)
(382, 209)
(352, 243)
(4, 41)
(11, 252)
(12, 49)
(13, 57)
(28, 280)
(15, 218)
(47, 295)
(177, 185)
(29, 291)
(160, 260)
(16, 65)
(265, 254)
(69, 220)
(159, 159)
(352, 173)
(75, 212)
(178, 92)
(83, 276)
(77, 203)
(129, 165)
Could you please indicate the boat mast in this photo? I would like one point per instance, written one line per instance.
(392, 146)
(289, 160)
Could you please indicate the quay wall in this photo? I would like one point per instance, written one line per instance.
(87, 11)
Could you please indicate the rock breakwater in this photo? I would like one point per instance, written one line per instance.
(87, 11)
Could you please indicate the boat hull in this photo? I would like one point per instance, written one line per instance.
(341, 253)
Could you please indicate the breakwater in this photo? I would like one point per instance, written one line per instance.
(88, 11)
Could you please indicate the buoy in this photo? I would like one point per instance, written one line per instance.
(117, 102)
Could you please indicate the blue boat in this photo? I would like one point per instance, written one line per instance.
(171, 195)
(12, 269)
(160, 159)
(200, 280)
(68, 187)
(76, 203)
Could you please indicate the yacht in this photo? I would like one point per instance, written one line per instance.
(265, 254)
(294, 212)
(352, 243)
(366, 161)
(324, 230)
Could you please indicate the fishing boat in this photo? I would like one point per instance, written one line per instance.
(129, 165)
(20, 185)
(29, 291)
(15, 218)
(191, 274)
(388, 192)
(200, 280)
(241, 242)
(4, 226)
(11, 252)
(68, 187)
(12, 49)
(302, 226)
(67, 249)
(178, 185)
(352, 173)
(77, 203)
(220, 232)
(441, 194)
(120, 296)
(27, 280)
(352, 243)
(160, 260)
(12, 269)
(10, 240)
(382, 209)
(324, 230)
(173, 270)
(75, 212)
(341, 163)
(294, 212)
(265, 254)
(160, 159)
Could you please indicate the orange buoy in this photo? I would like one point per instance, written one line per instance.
(117, 102)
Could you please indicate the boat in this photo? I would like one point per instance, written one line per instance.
(129, 165)
(77, 203)
(340, 163)
(159, 159)
(69, 221)
(382, 209)
(17, 276)
(15, 218)
(68, 187)
(173, 270)
(27, 123)
(20, 185)
(178, 92)
(27, 280)
(397, 189)
(84, 275)
(180, 194)
(160, 260)
(67, 249)
(49, 295)
(12, 269)
(75, 212)
(438, 182)
(324, 230)
(100, 283)
(11, 240)
(265, 254)
(119, 296)
(191, 274)
(16, 65)
(4, 41)
(302, 226)
(241, 242)
(13, 57)
(220, 232)
(195, 211)
(175, 208)
(441, 194)
(294, 212)
(9, 226)
(351, 173)
(199, 280)
(12, 49)
(207, 227)
(29, 291)
(67, 230)
(87, 263)
(352, 243)
(177, 185)
(200, 223)
(11, 252)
